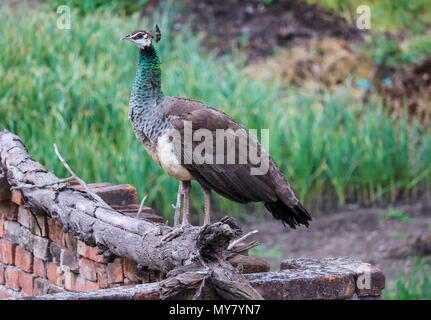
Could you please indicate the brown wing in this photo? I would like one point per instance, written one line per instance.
(235, 181)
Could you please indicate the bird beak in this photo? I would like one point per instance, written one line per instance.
(126, 37)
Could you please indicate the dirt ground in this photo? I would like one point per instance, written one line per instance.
(367, 234)
(257, 28)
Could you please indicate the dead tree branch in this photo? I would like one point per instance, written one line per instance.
(193, 259)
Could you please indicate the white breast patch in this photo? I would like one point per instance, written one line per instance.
(169, 161)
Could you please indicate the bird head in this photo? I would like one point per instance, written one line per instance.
(143, 39)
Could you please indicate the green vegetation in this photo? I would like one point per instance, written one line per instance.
(398, 215)
(72, 87)
(386, 15)
(411, 18)
(272, 253)
(412, 285)
(397, 235)
(88, 7)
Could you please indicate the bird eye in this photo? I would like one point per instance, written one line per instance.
(138, 36)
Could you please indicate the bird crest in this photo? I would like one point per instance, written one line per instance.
(155, 33)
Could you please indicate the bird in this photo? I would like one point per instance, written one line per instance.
(158, 120)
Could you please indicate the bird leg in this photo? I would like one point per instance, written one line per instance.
(207, 201)
(177, 207)
(186, 188)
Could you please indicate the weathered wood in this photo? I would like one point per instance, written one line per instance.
(143, 291)
(192, 256)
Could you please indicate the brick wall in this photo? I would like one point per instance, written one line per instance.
(38, 257)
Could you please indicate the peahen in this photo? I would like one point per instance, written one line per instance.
(158, 119)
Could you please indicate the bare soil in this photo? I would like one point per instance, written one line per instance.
(366, 234)
(258, 28)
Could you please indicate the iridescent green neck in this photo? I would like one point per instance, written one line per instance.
(148, 84)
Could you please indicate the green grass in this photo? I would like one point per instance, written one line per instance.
(71, 87)
(412, 285)
(397, 215)
(272, 253)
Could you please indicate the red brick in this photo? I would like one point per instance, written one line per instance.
(102, 275)
(269, 290)
(26, 283)
(115, 271)
(11, 277)
(147, 213)
(39, 268)
(7, 251)
(2, 280)
(69, 280)
(1, 226)
(109, 273)
(82, 284)
(9, 210)
(23, 259)
(376, 281)
(54, 289)
(89, 252)
(90, 286)
(16, 197)
(250, 264)
(87, 269)
(39, 225)
(69, 260)
(53, 272)
(55, 253)
(41, 248)
(122, 194)
(40, 286)
(5, 193)
(56, 232)
(129, 269)
(80, 248)
(69, 241)
(23, 217)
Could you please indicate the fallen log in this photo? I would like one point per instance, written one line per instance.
(191, 257)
